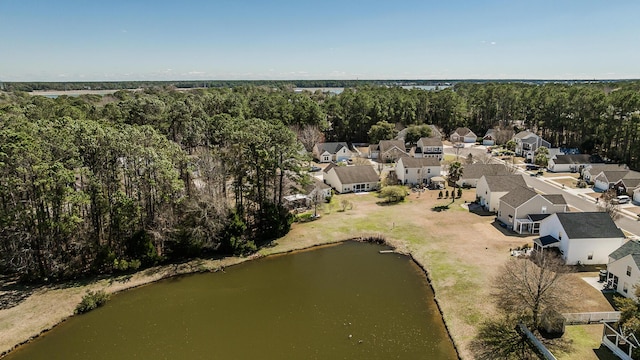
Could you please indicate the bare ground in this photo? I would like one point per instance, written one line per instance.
(461, 251)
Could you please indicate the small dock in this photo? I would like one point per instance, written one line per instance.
(386, 251)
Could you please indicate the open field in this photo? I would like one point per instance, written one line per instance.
(461, 251)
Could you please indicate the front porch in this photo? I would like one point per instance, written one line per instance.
(545, 242)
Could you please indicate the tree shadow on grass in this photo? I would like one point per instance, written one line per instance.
(479, 210)
(12, 292)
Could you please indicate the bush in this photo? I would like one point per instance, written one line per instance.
(92, 300)
(306, 217)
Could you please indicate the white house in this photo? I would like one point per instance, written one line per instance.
(523, 209)
(489, 138)
(624, 268)
(568, 163)
(331, 152)
(582, 237)
(592, 170)
(608, 179)
(636, 195)
(417, 171)
(491, 188)
(527, 143)
(463, 134)
(388, 150)
(429, 147)
(356, 178)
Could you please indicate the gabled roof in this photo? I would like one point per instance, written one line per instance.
(530, 140)
(596, 169)
(614, 176)
(524, 134)
(538, 217)
(316, 184)
(463, 131)
(329, 167)
(412, 163)
(519, 196)
(430, 141)
(555, 199)
(628, 248)
(476, 171)
(589, 225)
(386, 145)
(504, 183)
(490, 132)
(577, 159)
(331, 147)
(356, 174)
(435, 133)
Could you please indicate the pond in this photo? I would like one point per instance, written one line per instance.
(338, 302)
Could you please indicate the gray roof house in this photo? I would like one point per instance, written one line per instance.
(523, 209)
(491, 188)
(331, 152)
(388, 150)
(352, 178)
(582, 237)
(463, 134)
(471, 173)
(569, 163)
(527, 143)
(623, 269)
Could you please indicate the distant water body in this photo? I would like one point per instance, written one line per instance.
(338, 90)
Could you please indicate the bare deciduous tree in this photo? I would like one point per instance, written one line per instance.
(308, 135)
(608, 204)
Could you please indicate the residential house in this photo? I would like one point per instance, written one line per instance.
(491, 188)
(636, 195)
(628, 184)
(463, 134)
(581, 237)
(523, 209)
(356, 178)
(412, 171)
(471, 173)
(592, 170)
(331, 152)
(388, 150)
(624, 268)
(429, 147)
(319, 187)
(608, 179)
(489, 138)
(569, 163)
(527, 143)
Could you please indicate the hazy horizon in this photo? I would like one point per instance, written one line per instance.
(336, 40)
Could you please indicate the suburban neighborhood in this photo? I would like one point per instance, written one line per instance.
(512, 185)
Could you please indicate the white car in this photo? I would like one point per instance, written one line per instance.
(622, 199)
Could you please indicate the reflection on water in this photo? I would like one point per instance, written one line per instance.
(340, 302)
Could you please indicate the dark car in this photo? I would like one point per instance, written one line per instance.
(532, 167)
(314, 169)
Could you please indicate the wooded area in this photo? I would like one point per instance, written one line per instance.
(108, 183)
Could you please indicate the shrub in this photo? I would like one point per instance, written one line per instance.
(304, 217)
(92, 300)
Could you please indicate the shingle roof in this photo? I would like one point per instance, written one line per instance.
(538, 217)
(589, 225)
(615, 176)
(476, 171)
(598, 168)
(332, 147)
(519, 196)
(411, 162)
(329, 167)
(547, 240)
(573, 159)
(630, 247)
(386, 145)
(430, 141)
(316, 184)
(504, 183)
(523, 134)
(356, 174)
(435, 132)
(555, 199)
(463, 131)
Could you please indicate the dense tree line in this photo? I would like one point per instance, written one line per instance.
(103, 183)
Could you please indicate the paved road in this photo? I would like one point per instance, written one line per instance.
(625, 222)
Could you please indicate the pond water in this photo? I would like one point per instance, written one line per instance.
(339, 302)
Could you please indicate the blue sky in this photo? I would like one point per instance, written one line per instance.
(78, 40)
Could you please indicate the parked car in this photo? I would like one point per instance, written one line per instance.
(314, 169)
(532, 167)
(622, 199)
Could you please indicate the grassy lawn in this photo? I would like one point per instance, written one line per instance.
(585, 343)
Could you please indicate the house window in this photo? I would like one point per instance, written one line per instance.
(590, 256)
(628, 270)
(544, 209)
(625, 287)
(559, 236)
(406, 171)
(428, 171)
(418, 171)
